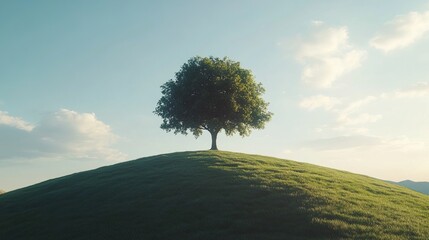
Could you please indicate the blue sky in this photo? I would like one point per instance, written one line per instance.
(347, 81)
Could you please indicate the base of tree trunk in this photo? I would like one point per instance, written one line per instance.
(214, 138)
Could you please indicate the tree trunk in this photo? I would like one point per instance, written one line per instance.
(214, 137)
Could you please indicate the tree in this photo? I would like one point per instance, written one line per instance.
(212, 94)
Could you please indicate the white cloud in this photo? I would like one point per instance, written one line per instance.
(327, 55)
(319, 101)
(351, 129)
(349, 116)
(418, 90)
(403, 144)
(62, 134)
(339, 143)
(6, 119)
(386, 158)
(402, 31)
(355, 105)
(358, 119)
(352, 142)
(353, 117)
(317, 22)
(323, 42)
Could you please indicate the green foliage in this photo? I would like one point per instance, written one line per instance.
(212, 94)
(213, 195)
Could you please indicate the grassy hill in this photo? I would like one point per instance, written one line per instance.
(213, 195)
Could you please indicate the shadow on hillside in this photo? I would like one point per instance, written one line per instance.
(176, 196)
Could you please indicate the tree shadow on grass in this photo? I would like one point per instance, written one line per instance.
(191, 195)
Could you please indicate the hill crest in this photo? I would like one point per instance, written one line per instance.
(214, 195)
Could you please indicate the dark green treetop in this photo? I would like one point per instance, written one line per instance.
(212, 94)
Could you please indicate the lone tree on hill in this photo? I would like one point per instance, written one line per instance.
(212, 94)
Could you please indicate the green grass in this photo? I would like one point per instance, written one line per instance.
(214, 195)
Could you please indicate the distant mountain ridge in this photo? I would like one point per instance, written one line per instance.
(422, 187)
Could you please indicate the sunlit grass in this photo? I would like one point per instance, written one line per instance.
(214, 195)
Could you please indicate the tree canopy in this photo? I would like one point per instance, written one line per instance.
(212, 94)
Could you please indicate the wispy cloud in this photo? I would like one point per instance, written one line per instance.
(347, 114)
(16, 122)
(403, 31)
(350, 114)
(359, 119)
(339, 143)
(319, 101)
(327, 55)
(382, 157)
(62, 134)
(355, 105)
(420, 89)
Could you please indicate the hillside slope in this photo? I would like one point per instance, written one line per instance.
(213, 195)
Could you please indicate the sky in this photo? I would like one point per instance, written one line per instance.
(347, 81)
